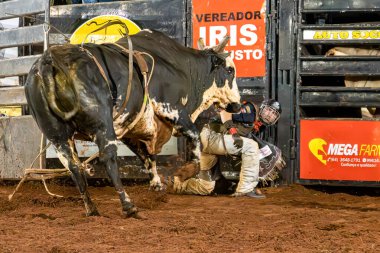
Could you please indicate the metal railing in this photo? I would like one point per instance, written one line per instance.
(19, 37)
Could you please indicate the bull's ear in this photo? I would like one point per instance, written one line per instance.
(220, 47)
(201, 44)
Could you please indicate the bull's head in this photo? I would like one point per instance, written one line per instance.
(226, 93)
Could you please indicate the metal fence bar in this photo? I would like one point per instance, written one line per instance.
(46, 26)
(17, 66)
(22, 36)
(343, 68)
(339, 5)
(341, 89)
(356, 26)
(22, 7)
(11, 96)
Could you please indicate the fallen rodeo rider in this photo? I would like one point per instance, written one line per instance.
(236, 136)
(271, 163)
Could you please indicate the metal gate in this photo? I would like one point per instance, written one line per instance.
(283, 81)
(336, 144)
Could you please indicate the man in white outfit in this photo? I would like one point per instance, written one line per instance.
(232, 137)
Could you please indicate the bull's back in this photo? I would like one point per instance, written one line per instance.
(162, 47)
(171, 80)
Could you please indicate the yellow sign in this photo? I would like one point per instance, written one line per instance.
(104, 28)
(341, 34)
(11, 111)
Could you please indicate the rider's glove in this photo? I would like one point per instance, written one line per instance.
(238, 141)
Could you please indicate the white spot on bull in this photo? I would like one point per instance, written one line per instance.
(127, 198)
(63, 160)
(145, 127)
(165, 110)
(223, 95)
(184, 100)
(197, 151)
(146, 124)
(109, 143)
(119, 122)
(147, 30)
(155, 183)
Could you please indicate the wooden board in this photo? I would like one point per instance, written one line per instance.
(19, 145)
(11, 96)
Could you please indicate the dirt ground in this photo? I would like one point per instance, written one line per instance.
(290, 219)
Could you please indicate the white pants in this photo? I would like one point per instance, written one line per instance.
(213, 145)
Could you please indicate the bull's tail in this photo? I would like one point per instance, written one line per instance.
(48, 68)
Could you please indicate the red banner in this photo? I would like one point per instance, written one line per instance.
(244, 21)
(340, 150)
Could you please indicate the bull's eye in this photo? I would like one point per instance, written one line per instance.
(230, 70)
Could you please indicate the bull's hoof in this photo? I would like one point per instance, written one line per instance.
(156, 184)
(93, 213)
(157, 187)
(133, 213)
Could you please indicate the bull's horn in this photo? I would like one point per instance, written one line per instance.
(220, 47)
(201, 44)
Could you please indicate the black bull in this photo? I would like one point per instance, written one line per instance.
(75, 91)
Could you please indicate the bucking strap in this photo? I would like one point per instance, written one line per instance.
(141, 62)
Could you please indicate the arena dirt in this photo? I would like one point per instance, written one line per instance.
(291, 219)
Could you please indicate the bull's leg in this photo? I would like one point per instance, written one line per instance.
(155, 182)
(68, 157)
(107, 155)
(151, 165)
(187, 128)
(139, 148)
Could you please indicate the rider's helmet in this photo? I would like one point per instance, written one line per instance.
(269, 112)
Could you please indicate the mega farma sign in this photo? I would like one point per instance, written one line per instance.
(340, 150)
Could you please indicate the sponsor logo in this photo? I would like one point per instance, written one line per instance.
(104, 28)
(340, 150)
(244, 21)
(316, 147)
(327, 152)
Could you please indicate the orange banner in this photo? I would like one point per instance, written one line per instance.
(340, 150)
(244, 21)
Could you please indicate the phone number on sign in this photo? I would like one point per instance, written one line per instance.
(345, 159)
